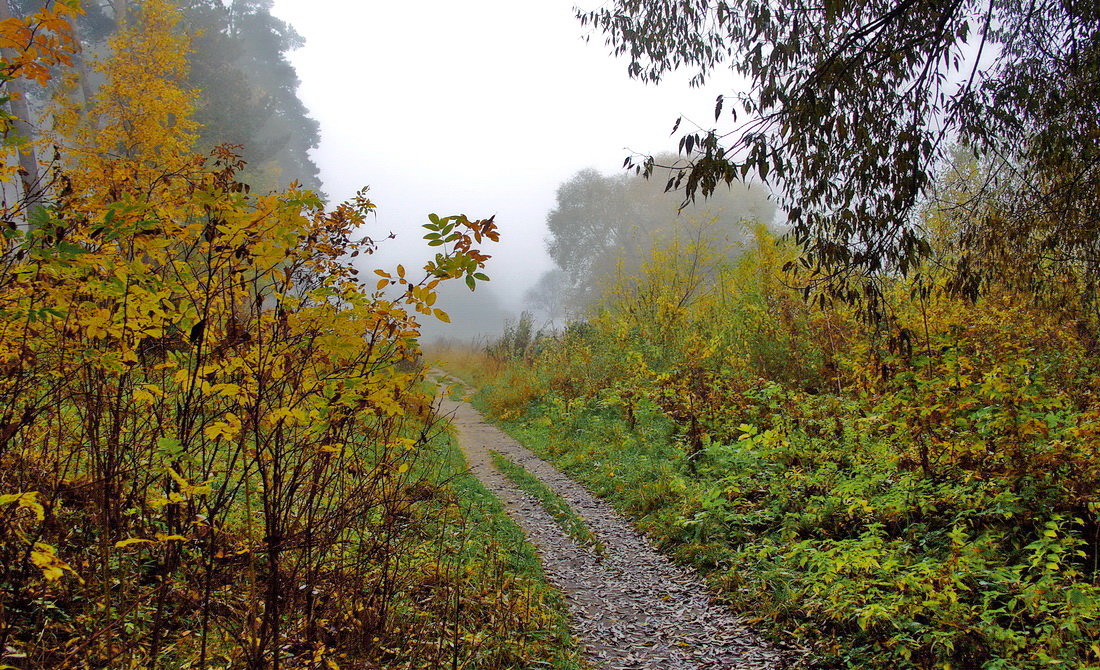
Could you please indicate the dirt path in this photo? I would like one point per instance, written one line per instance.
(632, 609)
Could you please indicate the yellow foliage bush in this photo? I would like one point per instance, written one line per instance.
(208, 422)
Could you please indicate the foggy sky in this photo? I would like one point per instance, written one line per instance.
(482, 107)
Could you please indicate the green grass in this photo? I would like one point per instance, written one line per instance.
(554, 504)
(484, 518)
(475, 581)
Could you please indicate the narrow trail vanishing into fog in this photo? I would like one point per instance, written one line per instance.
(633, 608)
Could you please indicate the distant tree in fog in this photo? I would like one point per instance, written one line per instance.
(548, 295)
(603, 225)
(249, 91)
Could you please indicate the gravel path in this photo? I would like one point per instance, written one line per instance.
(632, 609)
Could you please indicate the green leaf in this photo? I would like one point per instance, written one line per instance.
(169, 445)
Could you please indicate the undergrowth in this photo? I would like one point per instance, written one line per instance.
(873, 565)
(217, 449)
(920, 493)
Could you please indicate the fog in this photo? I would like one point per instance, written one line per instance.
(482, 108)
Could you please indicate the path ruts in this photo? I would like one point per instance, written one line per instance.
(633, 609)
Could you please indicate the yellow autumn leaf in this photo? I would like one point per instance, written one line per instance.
(131, 541)
(45, 558)
(27, 500)
(157, 502)
(144, 396)
(186, 488)
(290, 416)
(229, 428)
(337, 449)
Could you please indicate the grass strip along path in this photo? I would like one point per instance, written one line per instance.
(632, 609)
(554, 504)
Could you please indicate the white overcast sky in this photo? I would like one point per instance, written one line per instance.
(479, 107)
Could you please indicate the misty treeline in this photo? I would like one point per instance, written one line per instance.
(217, 446)
(246, 90)
(601, 230)
(876, 427)
(249, 91)
(603, 227)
